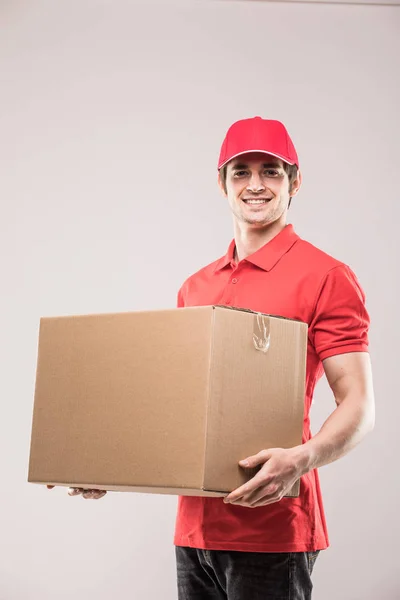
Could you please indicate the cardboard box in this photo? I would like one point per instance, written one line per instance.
(165, 401)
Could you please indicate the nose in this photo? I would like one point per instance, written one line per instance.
(255, 184)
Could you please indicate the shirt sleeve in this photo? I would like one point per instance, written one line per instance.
(340, 320)
(180, 303)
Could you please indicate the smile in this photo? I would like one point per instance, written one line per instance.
(256, 201)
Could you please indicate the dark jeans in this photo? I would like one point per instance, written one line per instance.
(225, 575)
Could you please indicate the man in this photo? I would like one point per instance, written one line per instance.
(255, 543)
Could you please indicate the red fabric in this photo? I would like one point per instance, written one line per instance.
(288, 277)
(257, 135)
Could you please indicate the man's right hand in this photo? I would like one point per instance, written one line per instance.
(87, 494)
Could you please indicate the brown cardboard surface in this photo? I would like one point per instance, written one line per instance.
(257, 397)
(163, 401)
(178, 491)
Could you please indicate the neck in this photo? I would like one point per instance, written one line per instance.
(249, 240)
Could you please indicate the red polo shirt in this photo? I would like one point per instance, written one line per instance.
(288, 277)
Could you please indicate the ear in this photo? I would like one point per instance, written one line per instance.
(296, 185)
(221, 185)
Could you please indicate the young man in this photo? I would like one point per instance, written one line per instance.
(256, 544)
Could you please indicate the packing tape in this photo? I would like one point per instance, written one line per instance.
(261, 332)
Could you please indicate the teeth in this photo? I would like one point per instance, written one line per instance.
(255, 201)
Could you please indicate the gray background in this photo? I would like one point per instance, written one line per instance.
(112, 115)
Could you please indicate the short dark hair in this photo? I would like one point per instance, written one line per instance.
(291, 170)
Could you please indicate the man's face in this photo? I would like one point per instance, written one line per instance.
(257, 188)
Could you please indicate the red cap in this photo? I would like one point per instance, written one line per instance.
(258, 135)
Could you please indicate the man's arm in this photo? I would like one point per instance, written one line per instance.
(350, 378)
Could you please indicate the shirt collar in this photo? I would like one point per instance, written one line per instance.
(268, 255)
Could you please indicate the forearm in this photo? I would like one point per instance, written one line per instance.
(340, 433)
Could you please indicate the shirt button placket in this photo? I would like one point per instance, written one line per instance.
(228, 295)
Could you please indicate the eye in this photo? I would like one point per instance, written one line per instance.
(242, 173)
(271, 172)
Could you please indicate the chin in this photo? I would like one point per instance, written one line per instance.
(258, 224)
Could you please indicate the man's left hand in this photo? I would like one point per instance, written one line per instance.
(281, 468)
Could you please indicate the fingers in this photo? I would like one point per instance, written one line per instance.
(256, 483)
(93, 494)
(261, 497)
(263, 502)
(75, 491)
(87, 494)
(266, 495)
(254, 461)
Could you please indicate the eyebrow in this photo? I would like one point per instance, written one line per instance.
(265, 165)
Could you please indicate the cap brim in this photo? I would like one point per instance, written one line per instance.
(256, 150)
